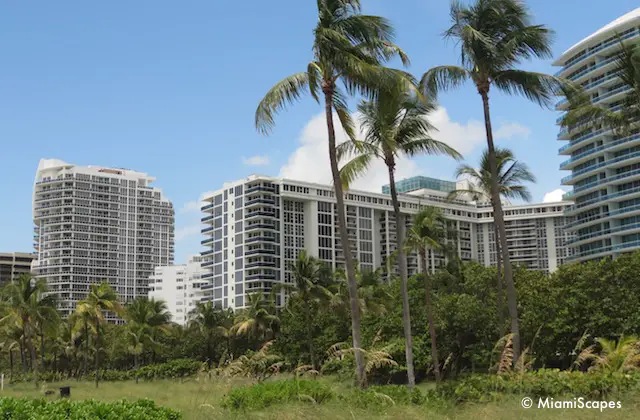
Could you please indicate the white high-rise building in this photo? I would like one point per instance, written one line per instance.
(180, 286)
(605, 167)
(95, 224)
(258, 225)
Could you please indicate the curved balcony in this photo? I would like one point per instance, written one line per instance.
(617, 91)
(581, 139)
(259, 202)
(261, 213)
(601, 234)
(578, 174)
(606, 250)
(607, 146)
(262, 226)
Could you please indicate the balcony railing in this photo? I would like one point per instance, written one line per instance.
(600, 148)
(581, 139)
(600, 165)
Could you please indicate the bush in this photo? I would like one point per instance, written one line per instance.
(541, 383)
(262, 395)
(26, 409)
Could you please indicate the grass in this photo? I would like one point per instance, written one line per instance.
(199, 398)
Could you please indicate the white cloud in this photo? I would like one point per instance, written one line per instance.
(186, 231)
(256, 160)
(194, 206)
(553, 196)
(466, 137)
(310, 161)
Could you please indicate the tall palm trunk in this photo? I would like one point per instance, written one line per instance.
(135, 364)
(432, 325)
(23, 357)
(32, 351)
(499, 286)
(402, 265)
(328, 90)
(307, 316)
(11, 365)
(97, 357)
(498, 218)
(85, 359)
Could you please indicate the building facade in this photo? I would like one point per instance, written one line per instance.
(95, 224)
(257, 226)
(13, 265)
(605, 167)
(180, 286)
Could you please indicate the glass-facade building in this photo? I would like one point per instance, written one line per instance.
(605, 166)
(421, 182)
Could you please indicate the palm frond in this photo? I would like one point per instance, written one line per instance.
(442, 78)
(279, 96)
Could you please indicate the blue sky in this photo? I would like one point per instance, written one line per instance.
(170, 88)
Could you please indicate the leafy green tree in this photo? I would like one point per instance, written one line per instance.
(306, 272)
(512, 174)
(395, 124)
(27, 306)
(494, 37)
(212, 322)
(428, 232)
(101, 298)
(348, 48)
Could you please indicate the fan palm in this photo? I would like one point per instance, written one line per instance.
(395, 124)
(212, 322)
(101, 298)
(306, 272)
(257, 320)
(27, 306)
(348, 48)
(511, 176)
(583, 113)
(429, 231)
(494, 37)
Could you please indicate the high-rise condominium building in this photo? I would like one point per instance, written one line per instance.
(257, 226)
(95, 224)
(180, 286)
(605, 167)
(13, 265)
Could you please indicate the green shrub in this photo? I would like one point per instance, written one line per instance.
(541, 383)
(27, 409)
(258, 396)
(383, 396)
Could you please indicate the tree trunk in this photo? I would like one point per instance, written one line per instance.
(85, 359)
(23, 356)
(361, 377)
(97, 356)
(307, 320)
(42, 347)
(135, 363)
(432, 325)
(402, 265)
(32, 352)
(11, 365)
(499, 286)
(498, 219)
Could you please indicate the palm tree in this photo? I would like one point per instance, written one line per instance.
(257, 320)
(348, 47)
(395, 125)
(511, 176)
(373, 297)
(494, 37)
(27, 305)
(582, 112)
(429, 231)
(306, 272)
(212, 322)
(101, 298)
(620, 356)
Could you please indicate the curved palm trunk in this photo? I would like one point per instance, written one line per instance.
(32, 351)
(499, 286)
(344, 237)
(432, 325)
(498, 218)
(402, 265)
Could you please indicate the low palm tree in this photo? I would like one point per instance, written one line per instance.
(27, 305)
(583, 113)
(258, 320)
(373, 296)
(101, 298)
(152, 315)
(429, 231)
(512, 174)
(612, 356)
(494, 37)
(349, 48)
(306, 272)
(212, 322)
(395, 125)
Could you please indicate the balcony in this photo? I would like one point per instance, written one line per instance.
(260, 264)
(613, 92)
(599, 149)
(260, 239)
(261, 188)
(207, 219)
(605, 232)
(261, 251)
(586, 170)
(588, 136)
(207, 207)
(261, 214)
(260, 201)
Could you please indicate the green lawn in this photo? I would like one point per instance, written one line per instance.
(200, 399)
